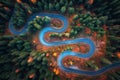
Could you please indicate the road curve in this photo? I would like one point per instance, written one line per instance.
(48, 28)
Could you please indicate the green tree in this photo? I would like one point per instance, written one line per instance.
(106, 61)
(46, 19)
(71, 3)
(46, 7)
(63, 9)
(61, 2)
(38, 23)
(2, 29)
(51, 6)
(71, 10)
(92, 65)
(57, 6)
(76, 17)
(5, 58)
(37, 26)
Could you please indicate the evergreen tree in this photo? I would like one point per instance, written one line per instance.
(71, 10)
(57, 6)
(6, 64)
(108, 8)
(63, 9)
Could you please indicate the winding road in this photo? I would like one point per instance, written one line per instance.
(66, 53)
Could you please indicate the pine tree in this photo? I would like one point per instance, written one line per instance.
(108, 8)
(63, 9)
(6, 64)
(105, 61)
(71, 10)
(57, 6)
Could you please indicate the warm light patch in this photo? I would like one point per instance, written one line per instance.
(90, 1)
(32, 76)
(29, 12)
(30, 59)
(19, 1)
(34, 41)
(118, 54)
(56, 71)
(71, 63)
(54, 54)
(6, 8)
(33, 1)
(17, 70)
